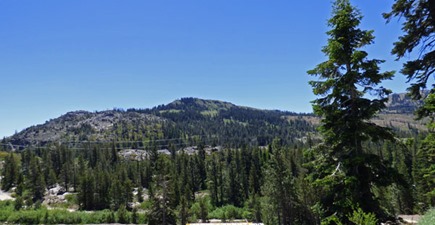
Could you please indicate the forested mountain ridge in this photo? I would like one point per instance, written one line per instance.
(96, 157)
(209, 121)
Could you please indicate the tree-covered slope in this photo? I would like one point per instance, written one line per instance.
(189, 121)
(185, 120)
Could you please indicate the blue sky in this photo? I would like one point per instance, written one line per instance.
(60, 56)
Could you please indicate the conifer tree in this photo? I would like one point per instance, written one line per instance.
(213, 180)
(344, 81)
(279, 187)
(86, 195)
(10, 172)
(419, 34)
(35, 179)
(161, 211)
(426, 170)
(183, 211)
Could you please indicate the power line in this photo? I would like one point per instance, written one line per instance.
(139, 145)
(208, 137)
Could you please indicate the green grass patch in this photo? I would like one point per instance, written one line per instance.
(3, 155)
(43, 215)
(211, 113)
(171, 111)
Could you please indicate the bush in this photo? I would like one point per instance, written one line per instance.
(227, 212)
(359, 217)
(200, 209)
(61, 216)
(6, 209)
(146, 205)
(96, 217)
(26, 217)
(123, 215)
(18, 204)
(428, 218)
(72, 199)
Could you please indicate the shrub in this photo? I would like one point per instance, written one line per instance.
(359, 217)
(428, 218)
(26, 217)
(227, 212)
(123, 215)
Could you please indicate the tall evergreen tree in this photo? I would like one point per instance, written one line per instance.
(425, 169)
(213, 180)
(344, 81)
(161, 211)
(10, 172)
(280, 189)
(86, 195)
(35, 183)
(419, 34)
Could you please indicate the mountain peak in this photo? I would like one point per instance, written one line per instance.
(190, 117)
(187, 103)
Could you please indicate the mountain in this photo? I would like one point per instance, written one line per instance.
(82, 126)
(402, 103)
(182, 122)
(399, 114)
(192, 121)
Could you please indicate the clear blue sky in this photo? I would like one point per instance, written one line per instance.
(60, 56)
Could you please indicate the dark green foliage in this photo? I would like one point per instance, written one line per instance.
(140, 194)
(18, 204)
(35, 180)
(203, 209)
(426, 171)
(280, 189)
(183, 212)
(59, 216)
(346, 170)
(160, 214)
(134, 216)
(274, 178)
(86, 194)
(228, 213)
(10, 172)
(123, 215)
(418, 27)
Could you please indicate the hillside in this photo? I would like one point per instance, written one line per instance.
(184, 121)
(189, 121)
(82, 126)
